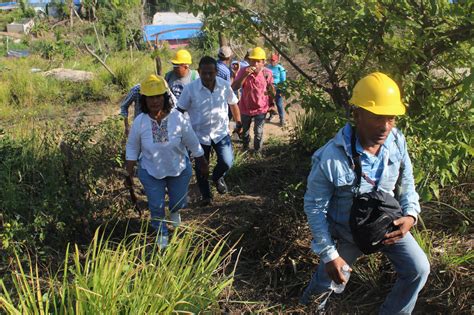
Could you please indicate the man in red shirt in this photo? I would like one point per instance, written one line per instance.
(256, 82)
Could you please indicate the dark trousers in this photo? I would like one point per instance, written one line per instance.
(225, 158)
(259, 122)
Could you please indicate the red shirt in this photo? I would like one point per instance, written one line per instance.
(255, 99)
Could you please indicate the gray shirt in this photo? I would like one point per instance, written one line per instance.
(177, 84)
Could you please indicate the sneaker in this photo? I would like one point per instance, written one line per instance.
(175, 218)
(282, 123)
(221, 186)
(162, 241)
(269, 118)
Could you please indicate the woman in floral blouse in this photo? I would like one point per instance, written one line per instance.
(159, 141)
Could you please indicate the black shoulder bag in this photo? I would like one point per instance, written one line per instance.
(372, 214)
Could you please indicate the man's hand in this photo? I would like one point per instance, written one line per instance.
(238, 128)
(235, 68)
(272, 110)
(334, 267)
(404, 225)
(250, 70)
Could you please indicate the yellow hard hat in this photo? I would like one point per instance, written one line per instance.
(153, 85)
(378, 94)
(258, 54)
(182, 57)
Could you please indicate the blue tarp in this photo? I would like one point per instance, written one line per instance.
(4, 4)
(41, 3)
(44, 2)
(181, 34)
(18, 53)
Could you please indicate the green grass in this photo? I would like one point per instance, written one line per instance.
(453, 253)
(424, 238)
(129, 277)
(453, 258)
(368, 272)
(240, 164)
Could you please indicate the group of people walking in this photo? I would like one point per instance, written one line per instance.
(186, 114)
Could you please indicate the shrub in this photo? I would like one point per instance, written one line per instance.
(131, 277)
(207, 43)
(49, 48)
(49, 182)
(123, 76)
(440, 146)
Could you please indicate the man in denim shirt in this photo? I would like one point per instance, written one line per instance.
(331, 187)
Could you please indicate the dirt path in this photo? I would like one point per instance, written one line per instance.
(273, 129)
(260, 214)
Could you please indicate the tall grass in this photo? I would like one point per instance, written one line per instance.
(129, 277)
(239, 166)
(424, 238)
(24, 94)
(50, 180)
(132, 68)
(313, 128)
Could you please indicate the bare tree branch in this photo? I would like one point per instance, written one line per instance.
(453, 100)
(448, 87)
(280, 51)
(100, 60)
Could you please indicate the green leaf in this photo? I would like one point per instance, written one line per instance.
(468, 148)
(425, 194)
(435, 188)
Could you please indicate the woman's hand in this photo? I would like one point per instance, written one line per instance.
(128, 182)
(130, 168)
(203, 166)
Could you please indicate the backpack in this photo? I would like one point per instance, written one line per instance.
(372, 214)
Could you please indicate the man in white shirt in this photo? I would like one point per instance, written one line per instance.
(207, 101)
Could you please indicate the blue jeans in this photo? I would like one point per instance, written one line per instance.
(225, 158)
(155, 190)
(259, 122)
(279, 105)
(411, 265)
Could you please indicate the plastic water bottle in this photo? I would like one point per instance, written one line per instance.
(338, 288)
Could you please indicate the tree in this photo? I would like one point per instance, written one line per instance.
(422, 44)
(426, 46)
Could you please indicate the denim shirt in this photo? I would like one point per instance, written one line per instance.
(331, 186)
(223, 71)
(133, 96)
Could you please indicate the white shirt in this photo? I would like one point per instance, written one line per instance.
(208, 110)
(162, 145)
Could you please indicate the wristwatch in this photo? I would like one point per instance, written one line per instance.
(238, 125)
